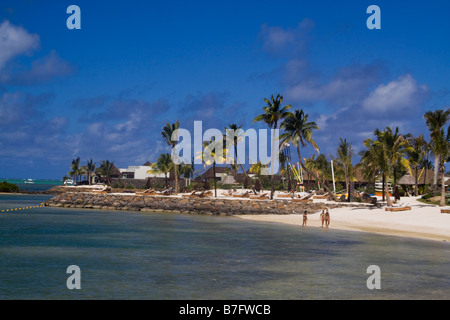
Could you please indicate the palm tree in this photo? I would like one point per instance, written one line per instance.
(416, 157)
(435, 121)
(426, 164)
(299, 131)
(238, 134)
(257, 169)
(187, 170)
(322, 168)
(368, 163)
(106, 169)
(164, 164)
(441, 142)
(213, 149)
(90, 167)
(344, 157)
(390, 149)
(171, 139)
(273, 113)
(75, 169)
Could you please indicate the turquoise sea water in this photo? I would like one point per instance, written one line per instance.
(132, 255)
(34, 185)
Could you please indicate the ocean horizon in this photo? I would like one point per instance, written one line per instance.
(159, 256)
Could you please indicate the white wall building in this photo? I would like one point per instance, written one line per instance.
(139, 172)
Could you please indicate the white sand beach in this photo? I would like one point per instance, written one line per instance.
(422, 221)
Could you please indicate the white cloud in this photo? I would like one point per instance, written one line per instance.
(279, 41)
(401, 94)
(324, 119)
(15, 41)
(42, 70)
(348, 86)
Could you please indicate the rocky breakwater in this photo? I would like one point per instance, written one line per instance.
(184, 205)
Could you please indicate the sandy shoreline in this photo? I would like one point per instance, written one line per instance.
(422, 221)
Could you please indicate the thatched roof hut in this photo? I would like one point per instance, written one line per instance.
(407, 179)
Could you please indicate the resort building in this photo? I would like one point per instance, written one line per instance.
(139, 172)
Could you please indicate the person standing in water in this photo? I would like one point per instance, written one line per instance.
(322, 217)
(327, 218)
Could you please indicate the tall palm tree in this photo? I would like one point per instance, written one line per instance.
(273, 113)
(367, 165)
(168, 133)
(299, 131)
(390, 148)
(441, 142)
(344, 157)
(90, 167)
(416, 156)
(164, 164)
(75, 169)
(322, 168)
(426, 164)
(435, 121)
(236, 139)
(106, 170)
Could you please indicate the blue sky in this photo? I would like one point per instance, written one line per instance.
(105, 91)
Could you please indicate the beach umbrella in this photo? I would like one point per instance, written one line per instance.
(229, 180)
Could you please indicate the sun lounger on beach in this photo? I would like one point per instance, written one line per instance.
(242, 195)
(259, 197)
(284, 195)
(324, 196)
(445, 210)
(205, 194)
(400, 207)
(397, 208)
(305, 199)
(302, 200)
(146, 192)
(106, 189)
(198, 194)
(166, 192)
(192, 194)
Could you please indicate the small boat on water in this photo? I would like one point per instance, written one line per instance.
(29, 181)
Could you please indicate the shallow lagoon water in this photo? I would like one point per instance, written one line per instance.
(133, 255)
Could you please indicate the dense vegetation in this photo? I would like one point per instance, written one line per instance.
(8, 187)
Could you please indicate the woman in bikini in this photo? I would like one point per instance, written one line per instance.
(305, 218)
(327, 218)
(322, 217)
